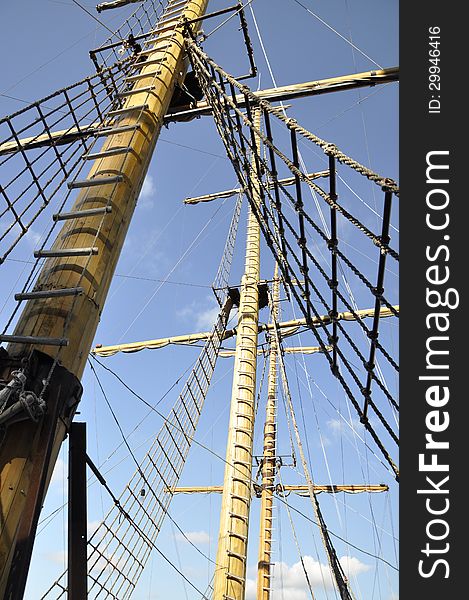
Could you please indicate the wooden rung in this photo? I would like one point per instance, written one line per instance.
(242, 462)
(153, 40)
(143, 75)
(64, 252)
(173, 14)
(172, 9)
(236, 555)
(115, 130)
(154, 61)
(245, 430)
(77, 291)
(238, 516)
(237, 535)
(174, 4)
(105, 153)
(141, 90)
(235, 577)
(78, 214)
(121, 111)
(139, 64)
(165, 30)
(163, 24)
(148, 51)
(241, 498)
(31, 339)
(95, 182)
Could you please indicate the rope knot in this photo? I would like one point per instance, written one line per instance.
(330, 149)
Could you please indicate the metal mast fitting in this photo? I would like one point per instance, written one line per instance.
(268, 459)
(112, 181)
(230, 570)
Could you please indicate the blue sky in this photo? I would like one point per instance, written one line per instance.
(45, 46)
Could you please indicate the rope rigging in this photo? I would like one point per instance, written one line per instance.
(222, 459)
(289, 242)
(158, 472)
(339, 575)
(134, 458)
(101, 99)
(137, 528)
(47, 168)
(160, 469)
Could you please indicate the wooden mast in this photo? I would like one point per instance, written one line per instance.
(25, 466)
(269, 459)
(230, 569)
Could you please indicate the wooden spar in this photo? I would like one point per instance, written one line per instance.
(286, 92)
(269, 459)
(115, 4)
(21, 470)
(285, 350)
(301, 90)
(193, 338)
(230, 570)
(235, 191)
(318, 489)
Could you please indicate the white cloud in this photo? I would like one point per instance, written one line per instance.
(341, 427)
(353, 566)
(206, 318)
(147, 192)
(92, 526)
(59, 557)
(58, 474)
(33, 237)
(203, 315)
(250, 589)
(196, 537)
(289, 583)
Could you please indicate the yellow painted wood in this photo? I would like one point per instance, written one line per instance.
(268, 459)
(228, 193)
(191, 338)
(318, 489)
(298, 90)
(80, 315)
(47, 317)
(230, 570)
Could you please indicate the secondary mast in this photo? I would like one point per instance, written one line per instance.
(269, 460)
(230, 569)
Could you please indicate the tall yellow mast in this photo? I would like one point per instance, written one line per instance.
(230, 569)
(268, 460)
(83, 257)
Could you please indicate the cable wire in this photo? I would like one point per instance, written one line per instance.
(142, 475)
(223, 459)
(96, 18)
(337, 33)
